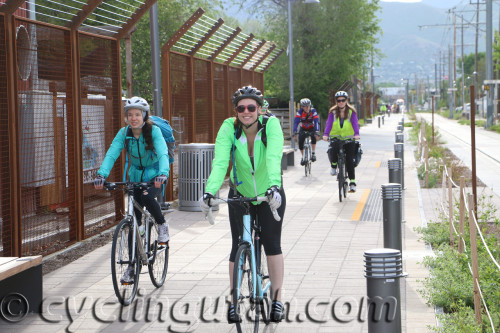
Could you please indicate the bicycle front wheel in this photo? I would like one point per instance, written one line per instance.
(121, 259)
(340, 178)
(244, 292)
(306, 158)
(158, 257)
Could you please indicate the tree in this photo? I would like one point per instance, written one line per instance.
(171, 15)
(332, 41)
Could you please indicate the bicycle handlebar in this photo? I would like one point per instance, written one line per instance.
(217, 201)
(110, 186)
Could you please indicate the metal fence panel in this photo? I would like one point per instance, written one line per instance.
(203, 100)
(43, 93)
(101, 120)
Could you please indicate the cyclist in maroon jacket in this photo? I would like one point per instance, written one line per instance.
(308, 119)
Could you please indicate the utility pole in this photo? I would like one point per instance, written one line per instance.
(489, 61)
(463, 74)
(363, 102)
(450, 83)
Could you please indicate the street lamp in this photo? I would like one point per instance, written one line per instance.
(290, 58)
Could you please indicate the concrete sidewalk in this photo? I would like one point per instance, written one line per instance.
(323, 244)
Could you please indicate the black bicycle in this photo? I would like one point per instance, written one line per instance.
(307, 152)
(133, 247)
(342, 180)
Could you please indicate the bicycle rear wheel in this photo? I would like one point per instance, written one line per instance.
(121, 252)
(265, 303)
(243, 291)
(158, 254)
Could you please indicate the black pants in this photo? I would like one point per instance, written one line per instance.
(350, 152)
(148, 199)
(270, 235)
(302, 137)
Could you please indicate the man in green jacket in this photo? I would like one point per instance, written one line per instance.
(256, 171)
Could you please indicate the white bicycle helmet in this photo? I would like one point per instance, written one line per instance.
(305, 102)
(341, 93)
(137, 103)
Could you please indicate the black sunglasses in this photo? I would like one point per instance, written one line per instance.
(250, 108)
(341, 100)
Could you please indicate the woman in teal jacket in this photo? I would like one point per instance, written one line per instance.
(148, 154)
(256, 171)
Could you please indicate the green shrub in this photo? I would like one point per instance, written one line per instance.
(450, 281)
(435, 234)
(461, 320)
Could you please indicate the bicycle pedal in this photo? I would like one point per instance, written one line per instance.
(127, 283)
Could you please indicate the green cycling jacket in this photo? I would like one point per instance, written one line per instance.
(344, 131)
(144, 164)
(267, 160)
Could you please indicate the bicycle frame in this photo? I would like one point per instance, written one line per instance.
(258, 291)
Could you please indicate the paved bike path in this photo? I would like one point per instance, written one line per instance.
(323, 242)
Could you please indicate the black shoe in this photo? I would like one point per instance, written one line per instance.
(302, 162)
(232, 316)
(277, 314)
(313, 157)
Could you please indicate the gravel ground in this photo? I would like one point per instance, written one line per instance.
(76, 251)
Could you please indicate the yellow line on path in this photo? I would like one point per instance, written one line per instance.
(377, 164)
(361, 204)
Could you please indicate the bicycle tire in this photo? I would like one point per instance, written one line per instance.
(158, 265)
(306, 158)
(243, 293)
(265, 303)
(120, 259)
(340, 177)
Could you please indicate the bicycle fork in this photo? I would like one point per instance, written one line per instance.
(136, 235)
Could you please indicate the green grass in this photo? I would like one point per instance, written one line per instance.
(479, 123)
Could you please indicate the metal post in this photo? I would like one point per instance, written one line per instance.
(395, 166)
(489, 61)
(391, 198)
(290, 65)
(378, 121)
(399, 153)
(400, 137)
(383, 268)
(155, 59)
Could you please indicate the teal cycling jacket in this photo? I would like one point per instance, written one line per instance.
(144, 164)
(267, 160)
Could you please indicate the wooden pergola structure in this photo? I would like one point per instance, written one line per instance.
(60, 88)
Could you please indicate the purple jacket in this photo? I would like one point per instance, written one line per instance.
(329, 124)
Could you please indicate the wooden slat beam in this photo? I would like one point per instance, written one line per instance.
(238, 51)
(207, 36)
(83, 13)
(273, 60)
(11, 6)
(134, 18)
(254, 52)
(182, 30)
(271, 49)
(226, 43)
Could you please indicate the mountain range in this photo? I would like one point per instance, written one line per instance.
(413, 36)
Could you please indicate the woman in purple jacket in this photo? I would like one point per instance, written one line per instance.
(342, 123)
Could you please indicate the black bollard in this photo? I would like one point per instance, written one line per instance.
(378, 121)
(383, 268)
(391, 206)
(395, 166)
(400, 137)
(399, 152)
